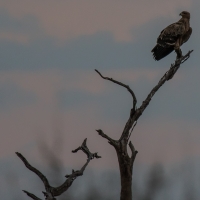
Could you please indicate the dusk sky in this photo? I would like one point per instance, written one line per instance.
(50, 93)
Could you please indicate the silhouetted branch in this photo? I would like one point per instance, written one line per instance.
(110, 140)
(85, 149)
(52, 192)
(31, 195)
(33, 169)
(126, 161)
(133, 152)
(123, 85)
(167, 76)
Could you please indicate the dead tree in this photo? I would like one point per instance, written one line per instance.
(52, 192)
(125, 161)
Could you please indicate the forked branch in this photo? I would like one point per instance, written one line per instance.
(85, 149)
(52, 192)
(166, 77)
(126, 161)
(136, 113)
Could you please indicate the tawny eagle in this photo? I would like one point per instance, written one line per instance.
(172, 37)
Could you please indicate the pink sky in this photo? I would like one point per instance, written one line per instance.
(24, 126)
(160, 138)
(66, 20)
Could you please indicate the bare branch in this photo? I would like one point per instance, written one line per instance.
(129, 124)
(178, 62)
(126, 162)
(135, 114)
(31, 195)
(167, 76)
(132, 129)
(33, 169)
(187, 56)
(85, 149)
(130, 121)
(123, 85)
(110, 140)
(49, 195)
(71, 177)
(51, 192)
(133, 152)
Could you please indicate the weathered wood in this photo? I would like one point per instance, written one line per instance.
(52, 192)
(125, 161)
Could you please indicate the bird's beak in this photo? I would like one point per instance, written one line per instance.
(180, 14)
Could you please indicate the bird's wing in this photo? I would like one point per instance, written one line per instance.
(168, 38)
(171, 33)
(187, 35)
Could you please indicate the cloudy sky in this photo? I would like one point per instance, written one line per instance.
(50, 93)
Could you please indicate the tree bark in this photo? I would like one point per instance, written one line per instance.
(126, 177)
(125, 161)
(52, 192)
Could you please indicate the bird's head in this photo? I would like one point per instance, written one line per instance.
(185, 14)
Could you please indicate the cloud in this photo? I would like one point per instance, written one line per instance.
(41, 84)
(164, 135)
(21, 31)
(19, 38)
(14, 96)
(71, 89)
(52, 87)
(63, 75)
(71, 19)
(88, 103)
(86, 52)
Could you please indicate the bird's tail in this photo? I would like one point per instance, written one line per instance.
(160, 51)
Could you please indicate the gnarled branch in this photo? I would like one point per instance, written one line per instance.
(52, 192)
(36, 171)
(126, 161)
(85, 149)
(167, 76)
(123, 85)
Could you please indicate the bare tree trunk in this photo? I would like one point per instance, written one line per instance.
(126, 161)
(121, 145)
(126, 177)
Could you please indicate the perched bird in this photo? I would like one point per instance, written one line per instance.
(172, 37)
